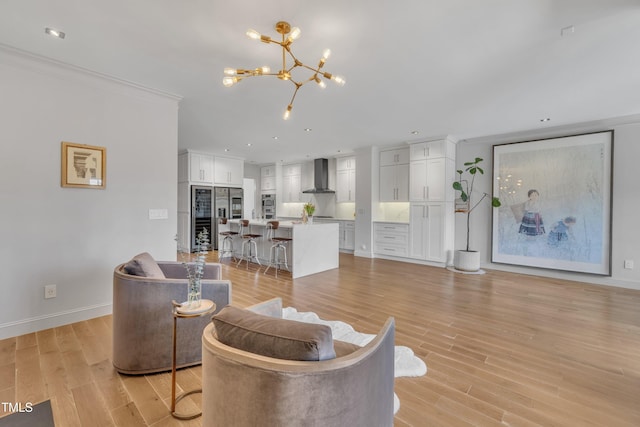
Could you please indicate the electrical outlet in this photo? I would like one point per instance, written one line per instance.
(628, 264)
(50, 291)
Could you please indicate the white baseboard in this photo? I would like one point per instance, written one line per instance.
(34, 324)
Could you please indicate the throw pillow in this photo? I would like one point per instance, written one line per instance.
(273, 337)
(145, 266)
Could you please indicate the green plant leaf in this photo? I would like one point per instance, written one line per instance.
(480, 170)
(457, 186)
(473, 170)
(495, 202)
(478, 160)
(464, 196)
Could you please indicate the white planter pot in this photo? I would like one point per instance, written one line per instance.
(466, 260)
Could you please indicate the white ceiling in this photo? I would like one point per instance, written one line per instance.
(464, 68)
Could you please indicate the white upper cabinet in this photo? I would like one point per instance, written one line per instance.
(268, 179)
(268, 171)
(431, 174)
(433, 149)
(394, 175)
(346, 187)
(228, 171)
(346, 179)
(200, 167)
(394, 157)
(346, 163)
(291, 183)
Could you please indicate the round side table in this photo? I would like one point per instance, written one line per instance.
(182, 311)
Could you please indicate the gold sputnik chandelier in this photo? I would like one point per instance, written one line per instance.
(234, 75)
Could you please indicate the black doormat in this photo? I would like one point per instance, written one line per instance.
(40, 416)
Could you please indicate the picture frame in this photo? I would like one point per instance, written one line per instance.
(556, 197)
(83, 166)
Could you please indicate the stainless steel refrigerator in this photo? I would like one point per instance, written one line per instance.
(228, 204)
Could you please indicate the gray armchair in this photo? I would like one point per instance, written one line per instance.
(241, 388)
(143, 318)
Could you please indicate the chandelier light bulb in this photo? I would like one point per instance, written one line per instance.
(265, 69)
(230, 71)
(287, 113)
(253, 34)
(326, 54)
(295, 33)
(229, 81)
(320, 82)
(339, 80)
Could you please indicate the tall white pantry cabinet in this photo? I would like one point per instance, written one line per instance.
(431, 200)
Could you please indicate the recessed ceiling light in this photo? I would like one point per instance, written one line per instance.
(414, 132)
(54, 33)
(274, 137)
(546, 119)
(248, 144)
(307, 129)
(226, 150)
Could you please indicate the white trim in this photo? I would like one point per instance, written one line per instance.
(564, 275)
(47, 321)
(18, 53)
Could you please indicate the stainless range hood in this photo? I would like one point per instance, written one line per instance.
(320, 178)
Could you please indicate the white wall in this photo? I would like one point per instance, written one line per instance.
(72, 237)
(626, 200)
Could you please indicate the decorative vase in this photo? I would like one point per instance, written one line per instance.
(194, 293)
(310, 219)
(466, 260)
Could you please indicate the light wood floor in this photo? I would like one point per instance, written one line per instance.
(502, 349)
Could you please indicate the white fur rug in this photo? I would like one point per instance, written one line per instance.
(406, 362)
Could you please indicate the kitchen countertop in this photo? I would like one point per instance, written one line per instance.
(282, 223)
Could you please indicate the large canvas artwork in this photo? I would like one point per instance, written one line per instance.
(556, 203)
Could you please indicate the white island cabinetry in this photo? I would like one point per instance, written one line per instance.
(314, 247)
(346, 232)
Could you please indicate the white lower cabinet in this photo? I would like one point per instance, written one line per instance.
(391, 239)
(430, 231)
(346, 232)
(347, 235)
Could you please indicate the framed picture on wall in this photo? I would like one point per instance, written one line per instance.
(83, 166)
(556, 203)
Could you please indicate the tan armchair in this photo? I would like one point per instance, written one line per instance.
(246, 389)
(143, 318)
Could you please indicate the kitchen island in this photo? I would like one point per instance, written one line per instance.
(313, 248)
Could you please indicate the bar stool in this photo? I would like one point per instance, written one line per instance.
(248, 239)
(226, 248)
(279, 245)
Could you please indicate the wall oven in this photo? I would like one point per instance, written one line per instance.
(269, 206)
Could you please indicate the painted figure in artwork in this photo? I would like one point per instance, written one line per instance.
(560, 231)
(532, 224)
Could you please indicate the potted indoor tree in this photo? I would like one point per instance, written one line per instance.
(468, 260)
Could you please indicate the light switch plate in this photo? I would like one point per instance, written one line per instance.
(158, 214)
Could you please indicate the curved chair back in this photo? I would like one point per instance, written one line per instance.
(244, 389)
